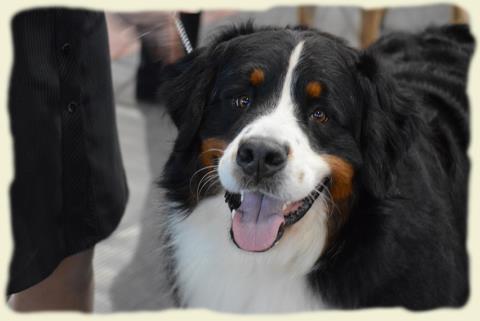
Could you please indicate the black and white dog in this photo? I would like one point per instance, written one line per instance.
(308, 175)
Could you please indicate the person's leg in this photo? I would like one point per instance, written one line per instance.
(69, 287)
(69, 190)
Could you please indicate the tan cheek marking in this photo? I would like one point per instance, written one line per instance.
(211, 149)
(342, 175)
(340, 190)
(257, 77)
(314, 89)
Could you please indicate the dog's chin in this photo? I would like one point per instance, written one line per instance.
(259, 219)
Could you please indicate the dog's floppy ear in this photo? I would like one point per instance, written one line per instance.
(185, 91)
(389, 125)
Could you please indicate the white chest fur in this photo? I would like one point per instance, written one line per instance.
(213, 273)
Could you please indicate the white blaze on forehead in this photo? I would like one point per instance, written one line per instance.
(280, 123)
(282, 117)
(286, 100)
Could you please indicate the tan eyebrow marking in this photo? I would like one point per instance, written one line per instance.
(314, 89)
(257, 76)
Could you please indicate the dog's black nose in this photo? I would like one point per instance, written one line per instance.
(261, 157)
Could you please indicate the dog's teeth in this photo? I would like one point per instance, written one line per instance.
(284, 207)
(233, 213)
(241, 196)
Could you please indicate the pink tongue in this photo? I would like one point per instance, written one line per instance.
(256, 222)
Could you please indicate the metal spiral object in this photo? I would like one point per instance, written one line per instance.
(183, 35)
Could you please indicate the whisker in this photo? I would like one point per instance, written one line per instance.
(155, 27)
(204, 168)
(212, 183)
(198, 172)
(205, 183)
(212, 150)
(329, 200)
(206, 176)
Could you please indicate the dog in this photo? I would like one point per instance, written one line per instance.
(310, 175)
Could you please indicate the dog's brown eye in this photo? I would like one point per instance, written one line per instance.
(242, 102)
(319, 116)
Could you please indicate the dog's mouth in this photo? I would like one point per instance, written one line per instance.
(259, 220)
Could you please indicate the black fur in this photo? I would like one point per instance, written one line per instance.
(407, 248)
(400, 115)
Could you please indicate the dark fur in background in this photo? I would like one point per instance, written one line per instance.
(404, 241)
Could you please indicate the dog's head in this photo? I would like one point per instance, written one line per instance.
(290, 124)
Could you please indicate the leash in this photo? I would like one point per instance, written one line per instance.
(182, 33)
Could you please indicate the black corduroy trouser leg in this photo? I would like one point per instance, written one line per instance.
(69, 190)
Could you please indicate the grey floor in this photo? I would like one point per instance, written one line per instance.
(128, 264)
